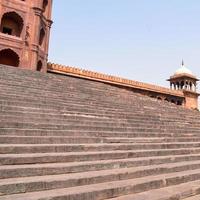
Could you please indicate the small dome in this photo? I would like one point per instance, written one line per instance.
(183, 70)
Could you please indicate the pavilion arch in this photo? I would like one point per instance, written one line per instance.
(159, 98)
(173, 101)
(166, 99)
(179, 103)
(12, 24)
(39, 66)
(9, 57)
(42, 35)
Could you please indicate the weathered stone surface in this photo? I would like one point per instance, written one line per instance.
(69, 138)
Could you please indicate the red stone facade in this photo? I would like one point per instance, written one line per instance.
(24, 33)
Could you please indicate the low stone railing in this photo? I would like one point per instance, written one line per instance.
(73, 71)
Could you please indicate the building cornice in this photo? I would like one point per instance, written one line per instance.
(183, 75)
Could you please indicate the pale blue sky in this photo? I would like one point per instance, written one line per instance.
(144, 40)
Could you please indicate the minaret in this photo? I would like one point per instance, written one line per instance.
(184, 80)
(24, 33)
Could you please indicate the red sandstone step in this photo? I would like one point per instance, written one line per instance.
(65, 117)
(118, 105)
(186, 191)
(111, 189)
(14, 159)
(4, 139)
(193, 197)
(27, 170)
(92, 122)
(84, 133)
(53, 148)
(40, 183)
(50, 110)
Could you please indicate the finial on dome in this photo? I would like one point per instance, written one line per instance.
(183, 64)
(183, 70)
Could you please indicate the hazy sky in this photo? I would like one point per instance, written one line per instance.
(144, 40)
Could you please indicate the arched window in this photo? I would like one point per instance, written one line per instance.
(166, 99)
(191, 86)
(42, 35)
(179, 103)
(9, 57)
(12, 24)
(173, 101)
(186, 85)
(182, 84)
(39, 66)
(178, 85)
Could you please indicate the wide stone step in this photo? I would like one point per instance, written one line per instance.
(86, 121)
(88, 88)
(82, 133)
(196, 197)
(50, 98)
(79, 126)
(5, 139)
(67, 117)
(90, 120)
(13, 115)
(27, 170)
(141, 113)
(67, 104)
(5, 111)
(64, 117)
(62, 111)
(77, 108)
(21, 185)
(80, 106)
(83, 91)
(14, 159)
(186, 191)
(55, 148)
(111, 189)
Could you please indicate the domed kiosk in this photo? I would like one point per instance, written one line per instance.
(184, 80)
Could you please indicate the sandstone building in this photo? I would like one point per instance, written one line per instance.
(24, 33)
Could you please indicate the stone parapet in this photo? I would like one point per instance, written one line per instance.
(78, 72)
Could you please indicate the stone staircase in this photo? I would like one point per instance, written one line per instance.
(65, 138)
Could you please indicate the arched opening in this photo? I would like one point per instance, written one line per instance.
(159, 98)
(9, 57)
(177, 85)
(186, 85)
(182, 84)
(179, 103)
(42, 35)
(191, 86)
(39, 66)
(173, 101)
(12, 24)
(166, 99)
